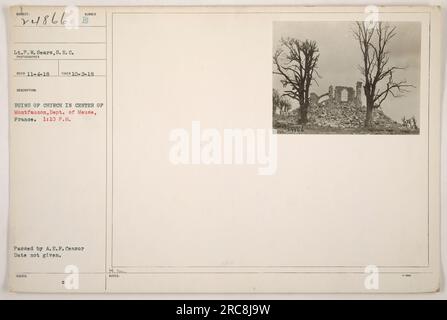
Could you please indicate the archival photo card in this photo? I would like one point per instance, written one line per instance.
(224, 149)
(346, 77)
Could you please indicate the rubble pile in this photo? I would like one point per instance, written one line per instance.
(347, 115)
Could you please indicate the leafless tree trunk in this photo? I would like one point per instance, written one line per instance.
(378, 75)
(276, 101)
(296, 62)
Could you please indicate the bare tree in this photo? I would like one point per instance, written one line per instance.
(296, 62)
(378, 75)
(285, 105)
(276, 101)
(280, 103)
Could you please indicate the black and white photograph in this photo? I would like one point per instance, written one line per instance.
(346, 77)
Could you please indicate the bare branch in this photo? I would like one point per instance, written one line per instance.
(296, 62)
(374, 43)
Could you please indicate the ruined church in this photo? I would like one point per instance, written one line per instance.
(338, 95)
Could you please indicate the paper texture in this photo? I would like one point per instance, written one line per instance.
(224, 149)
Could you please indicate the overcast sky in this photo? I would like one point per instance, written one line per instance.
(340, 56)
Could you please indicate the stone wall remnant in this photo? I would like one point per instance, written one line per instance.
(358, 94)
(340, 95)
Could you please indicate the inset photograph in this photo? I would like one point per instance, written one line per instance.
(346, 77)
